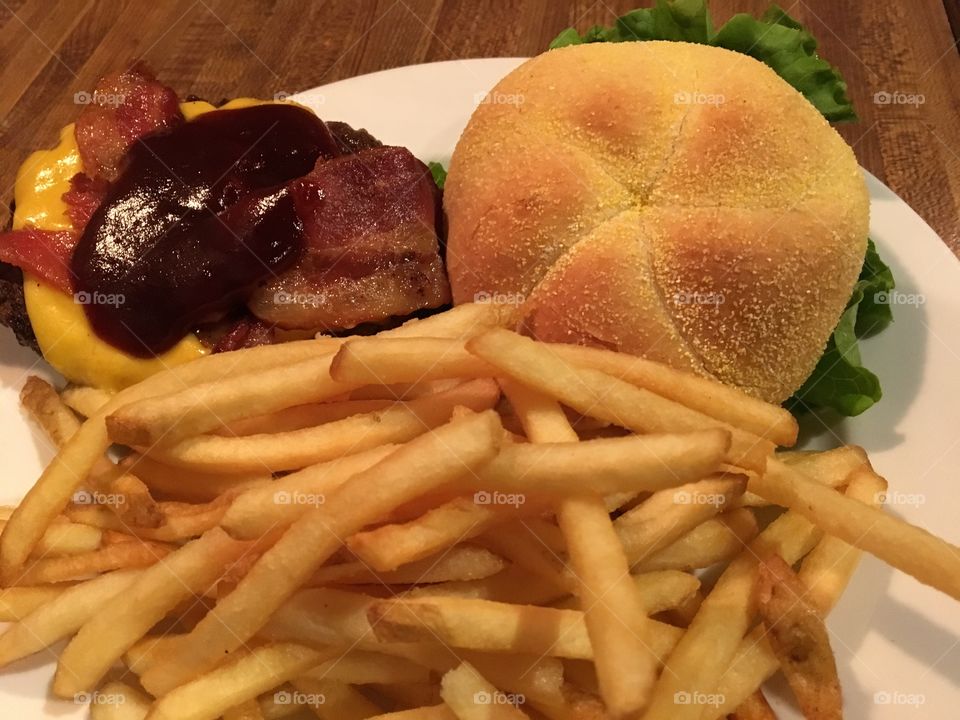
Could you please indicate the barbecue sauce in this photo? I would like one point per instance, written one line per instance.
(199, 216)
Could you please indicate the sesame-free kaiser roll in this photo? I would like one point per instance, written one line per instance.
(672, 200)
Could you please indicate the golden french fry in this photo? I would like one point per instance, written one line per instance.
(597, 394)
(43, 404)
(118, 701)
(831, 468)
(434, 712)
(61, 616)
(84, 400)
(707, 396)
(173, 528)
(68, 538)
(711, 542)
(799, 639)
(299, 448)
(299, 417)
(205, 407)
(709, 644)
(147, 649)
(363, 667)
(384, 361)
(459, 563)
(175, 483)
(333, 700)
(913, 550)
(18, 602)
(473, 697)
(667, 515)
(418, 467)
(631, 463)
(825, 571)
(183, 574)
(109, 557)
(277, 504)
(512, 585)
(206, 697)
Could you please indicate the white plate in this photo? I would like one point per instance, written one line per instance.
(897, 642)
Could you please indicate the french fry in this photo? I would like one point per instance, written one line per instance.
(631, 463)
(754, 707)
(617, 625)
(709, 644)
(913, 550)
(18, 602)
(389, 546)
(205, 407)
(85, 400)
(472, 697)
(707, 396)
(188, 572)
(262, 508)
(831, 468)
(363, 667)
(659, 591)
(176, 483)
(459, 563)
(496, 627)
(799, 639)
(668, 515)
(107, 558)
(118, 701)
(825, 572)
(299, 417)
(173, 528)
(597, 394)
(383, 361)
(143, 652)
(62, 616)
(43, 404)
(67, 538)
(299, 448)
(207, 696)
(520, 544)
(512, 585)
(333, 700)
(418, 467)
(711, 542)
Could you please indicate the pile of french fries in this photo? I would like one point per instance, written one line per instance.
(445, 520)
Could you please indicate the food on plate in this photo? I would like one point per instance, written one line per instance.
(543, 569)
(157, 231)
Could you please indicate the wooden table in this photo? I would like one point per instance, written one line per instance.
(223, 48)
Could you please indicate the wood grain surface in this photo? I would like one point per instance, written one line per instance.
(226, 48)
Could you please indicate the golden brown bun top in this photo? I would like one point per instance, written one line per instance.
(668, 199)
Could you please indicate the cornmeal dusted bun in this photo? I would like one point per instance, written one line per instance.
(672, 200)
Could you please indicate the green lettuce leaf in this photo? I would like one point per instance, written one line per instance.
(439, 173)
(839, 381)
(775, 39)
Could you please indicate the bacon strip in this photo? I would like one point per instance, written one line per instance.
(124, 107)
(44, 253)
(83, 198)
(371, 250)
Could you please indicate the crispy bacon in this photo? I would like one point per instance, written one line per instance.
(124, 107)
(44, 253)
(371, 250)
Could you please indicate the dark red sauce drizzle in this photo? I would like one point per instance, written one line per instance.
(199, 216)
